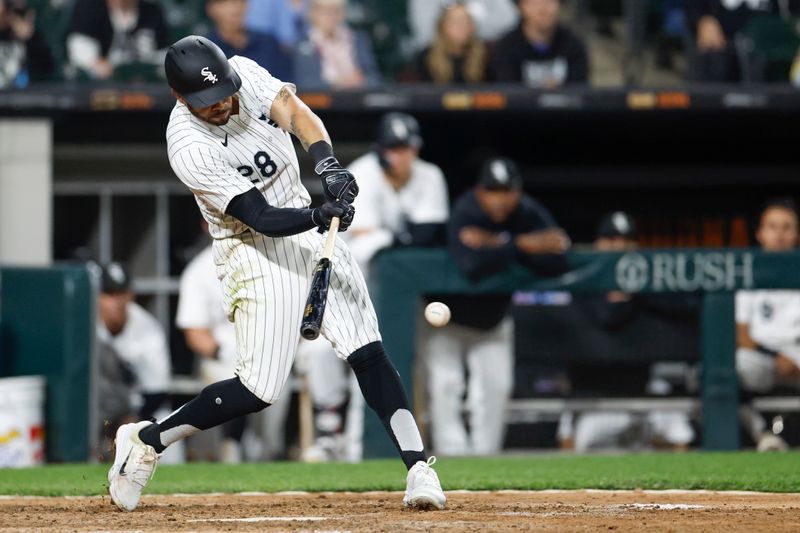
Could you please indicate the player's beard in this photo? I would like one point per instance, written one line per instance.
(221, 118)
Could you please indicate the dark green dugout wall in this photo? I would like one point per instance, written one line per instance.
(47, 322)
(46, 328)
(401, 277)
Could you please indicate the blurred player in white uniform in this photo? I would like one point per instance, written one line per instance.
(229, 141)
(138, 340)
(402, 201)
(202, 318)
(596, 430)
(768, 325)
(137, 337)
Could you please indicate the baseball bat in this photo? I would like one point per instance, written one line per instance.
(318, 295)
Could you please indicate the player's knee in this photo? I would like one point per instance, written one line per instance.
(232, 396)
(367, 357)
(378, 378)
(250, 401)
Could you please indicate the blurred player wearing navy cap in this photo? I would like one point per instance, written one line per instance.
(492, 227)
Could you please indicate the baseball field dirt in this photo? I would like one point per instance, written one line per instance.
(617, 511)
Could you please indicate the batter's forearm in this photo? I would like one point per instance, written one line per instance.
(293, 115)
(308, 128)
(252, 209)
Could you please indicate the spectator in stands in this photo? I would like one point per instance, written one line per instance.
(768, 325)
(492, 18)
(233, 38)
(717, 25)
(611, 312)
(334, 56)
(286, 20)
(794, 75)
(24, 54)
(491, 227)
(541, 52)
(136, 336)
(456, 55)
(107, 34)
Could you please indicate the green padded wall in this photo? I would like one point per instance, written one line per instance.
(402, 276)
(47, 321)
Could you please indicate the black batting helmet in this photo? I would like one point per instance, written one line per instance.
(398, 129)
(198, 70)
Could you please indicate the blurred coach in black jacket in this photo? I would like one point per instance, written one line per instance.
(491, 227)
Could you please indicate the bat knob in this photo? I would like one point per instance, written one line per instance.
(309, 331)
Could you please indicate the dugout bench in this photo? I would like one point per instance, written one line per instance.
(401, 277)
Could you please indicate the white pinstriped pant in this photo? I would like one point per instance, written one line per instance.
(265, 284)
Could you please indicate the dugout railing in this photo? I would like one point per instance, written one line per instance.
(402, 277)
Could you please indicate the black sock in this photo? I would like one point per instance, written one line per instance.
(382, 389)
(216, 404)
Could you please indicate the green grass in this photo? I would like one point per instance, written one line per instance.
(713, 471)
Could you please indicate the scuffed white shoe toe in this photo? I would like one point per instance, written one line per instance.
(134, 464)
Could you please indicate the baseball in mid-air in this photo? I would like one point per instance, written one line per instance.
(437, 314)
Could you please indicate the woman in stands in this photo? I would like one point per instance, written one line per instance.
(456, 54)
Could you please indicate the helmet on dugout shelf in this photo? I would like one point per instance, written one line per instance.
(199, 72)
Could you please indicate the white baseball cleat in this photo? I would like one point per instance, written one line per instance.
(134, 464)
(423, 489)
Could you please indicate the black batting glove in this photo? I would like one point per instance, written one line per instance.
(323, 214)
(337, 182)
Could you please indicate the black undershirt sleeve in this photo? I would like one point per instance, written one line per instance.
(252, 209)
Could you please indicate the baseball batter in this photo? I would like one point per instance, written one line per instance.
(229, 141)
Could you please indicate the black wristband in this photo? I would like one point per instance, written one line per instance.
(319, 151)
(766, 351)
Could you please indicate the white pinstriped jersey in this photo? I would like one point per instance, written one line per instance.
(218, 163)
(265, 280)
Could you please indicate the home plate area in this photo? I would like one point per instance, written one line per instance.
(590, 510)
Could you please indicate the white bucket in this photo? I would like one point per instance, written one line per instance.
(21, 421)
